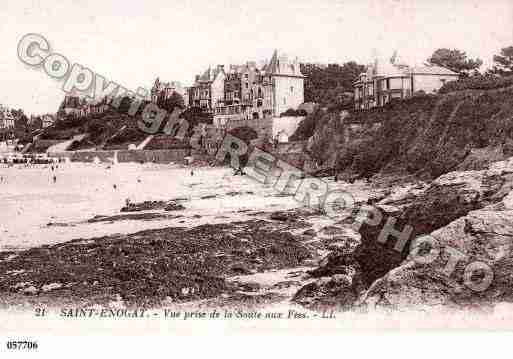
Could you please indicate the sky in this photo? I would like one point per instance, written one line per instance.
(132, 42)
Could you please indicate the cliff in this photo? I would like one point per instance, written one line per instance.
(425, 136)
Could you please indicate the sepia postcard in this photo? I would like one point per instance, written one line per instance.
(205, 169)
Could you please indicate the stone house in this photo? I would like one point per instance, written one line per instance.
(164, 90)
(254, 93)
(391, 79)
(208, 89)
(7, 119)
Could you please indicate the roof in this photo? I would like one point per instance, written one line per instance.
(205, 77)
(236, 68)
(210, 74)
(280, 65)
(272, 66)
(432, 70)
(387, 69)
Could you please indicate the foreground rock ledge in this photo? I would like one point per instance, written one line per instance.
(470, 212)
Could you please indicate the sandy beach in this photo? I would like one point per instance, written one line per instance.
(36, 211)
(80, 214)
(31, 202)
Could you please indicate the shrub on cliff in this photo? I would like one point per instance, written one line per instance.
(425, 136)
(480, 82)
(128, 135)
(307, 127)
(331, 84)
(294, 113)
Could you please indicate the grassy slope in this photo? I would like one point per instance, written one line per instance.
(103, 131)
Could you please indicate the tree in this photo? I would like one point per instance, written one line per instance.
(244, 133)
(504, 62)
(125, 104)
(194, 116)
(36, 123)
(330, 84)
(455, 60)
(306, 127)
(21, 125)
(169, 104)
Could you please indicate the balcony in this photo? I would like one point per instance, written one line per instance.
(229, 110)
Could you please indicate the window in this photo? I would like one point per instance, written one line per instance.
(291, 89)
(284, 101)
(247, 85)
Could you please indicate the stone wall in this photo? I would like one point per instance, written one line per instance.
(122, 156)
(263, 126)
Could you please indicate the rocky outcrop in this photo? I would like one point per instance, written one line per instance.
(338, 290)
(152, 206)
(469, 216)
(150, 267)
(143, 206)
(474, 266)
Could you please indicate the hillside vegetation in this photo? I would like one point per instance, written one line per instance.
(424, 136)
(115, 129)
(110, 130)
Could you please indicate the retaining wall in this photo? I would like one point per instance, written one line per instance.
(157, 156)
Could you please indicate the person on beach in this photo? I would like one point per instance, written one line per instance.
(239, 171)
(54, 179)
(115, 186)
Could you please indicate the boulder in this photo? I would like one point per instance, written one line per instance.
(473, 263)
(309, 232)
(143, 206)
(50, 287)
(30, 290)
(283, 216)
(448, 198)
(337, 290)
(475, 266)
(173, 206)
(469, 212)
